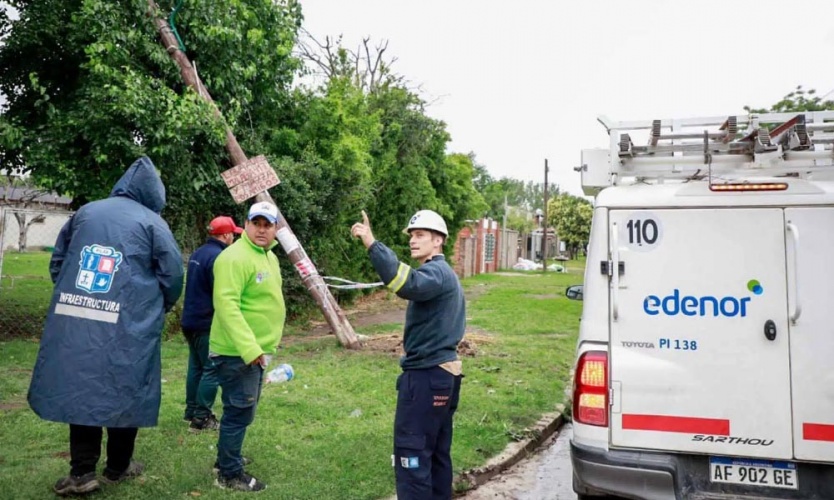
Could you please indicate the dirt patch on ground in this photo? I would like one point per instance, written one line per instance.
(475, 291)
(11, 406)
(387, 344)
(382, 308)
(393, 344)
(320, 329)
(374, 309)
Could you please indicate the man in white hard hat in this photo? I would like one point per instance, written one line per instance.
(429, 386)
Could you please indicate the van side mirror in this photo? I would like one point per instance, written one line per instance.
(575, 292)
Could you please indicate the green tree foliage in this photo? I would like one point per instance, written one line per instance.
(798, 100)
(412, 170)
(90, 88)
(571, 216)
(454, 187)
(409, 166)
(326, 167)
(520, 221)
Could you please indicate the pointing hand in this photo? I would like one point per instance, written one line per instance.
(362, 230)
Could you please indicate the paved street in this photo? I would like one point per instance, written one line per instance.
(543, 476)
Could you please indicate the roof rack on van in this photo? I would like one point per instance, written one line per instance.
(713, 148)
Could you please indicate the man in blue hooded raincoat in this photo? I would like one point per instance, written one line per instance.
(117, 270)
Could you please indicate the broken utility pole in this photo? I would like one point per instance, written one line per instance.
(306, 269)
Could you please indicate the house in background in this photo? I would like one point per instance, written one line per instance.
(35, 199)
(478, 248)
(40, 215)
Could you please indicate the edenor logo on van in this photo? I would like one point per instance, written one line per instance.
(688, 305)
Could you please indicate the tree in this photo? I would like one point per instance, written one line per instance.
(326, 168)
(90, 89)
(571, 216)
(21, 194)
(520, 221)
(409, 166)
(798, 100)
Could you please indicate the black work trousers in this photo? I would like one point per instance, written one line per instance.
(426, 403)
(85, 449)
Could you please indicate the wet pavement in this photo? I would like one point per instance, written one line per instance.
(544, 475)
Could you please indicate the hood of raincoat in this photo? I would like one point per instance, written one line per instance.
(141, 183)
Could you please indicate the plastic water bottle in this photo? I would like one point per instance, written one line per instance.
(280, 373)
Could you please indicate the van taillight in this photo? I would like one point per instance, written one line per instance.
(590, 393)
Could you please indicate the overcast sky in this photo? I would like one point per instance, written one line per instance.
(518, 82)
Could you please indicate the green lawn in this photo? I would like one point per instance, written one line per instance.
(26, 263)
(25, 291)
(305, 441)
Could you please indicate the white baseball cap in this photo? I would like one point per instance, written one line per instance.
(264, 209)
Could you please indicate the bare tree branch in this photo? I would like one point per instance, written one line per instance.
(322, 55)
(366, 66)
(35, 220)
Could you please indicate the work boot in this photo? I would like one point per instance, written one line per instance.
(242, 482)
(76, 485)
(209, 423)
(135, 469)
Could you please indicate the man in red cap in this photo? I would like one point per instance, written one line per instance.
(198, 310)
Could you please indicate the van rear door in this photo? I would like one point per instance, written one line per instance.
(809, 249)
(699, 352)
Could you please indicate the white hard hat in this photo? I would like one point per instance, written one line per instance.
(427, 219)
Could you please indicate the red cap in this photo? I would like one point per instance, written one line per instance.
(223, 225)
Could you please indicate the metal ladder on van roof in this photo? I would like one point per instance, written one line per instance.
(737, 146)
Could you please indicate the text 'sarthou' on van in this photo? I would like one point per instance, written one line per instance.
(704, 361)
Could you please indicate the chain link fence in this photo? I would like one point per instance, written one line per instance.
(27, 238)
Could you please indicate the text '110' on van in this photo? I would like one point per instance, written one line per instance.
(705, 361)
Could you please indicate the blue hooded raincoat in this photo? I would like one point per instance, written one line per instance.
(116, 270)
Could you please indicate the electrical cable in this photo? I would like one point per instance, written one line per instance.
(350, 285)
(171, 22)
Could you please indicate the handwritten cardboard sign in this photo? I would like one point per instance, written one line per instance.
(250, 178)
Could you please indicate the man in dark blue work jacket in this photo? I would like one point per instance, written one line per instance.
(197, 313)
(429, 387)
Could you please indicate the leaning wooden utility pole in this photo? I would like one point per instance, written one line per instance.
(242, 166)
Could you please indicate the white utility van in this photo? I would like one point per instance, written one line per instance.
(705, 362)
